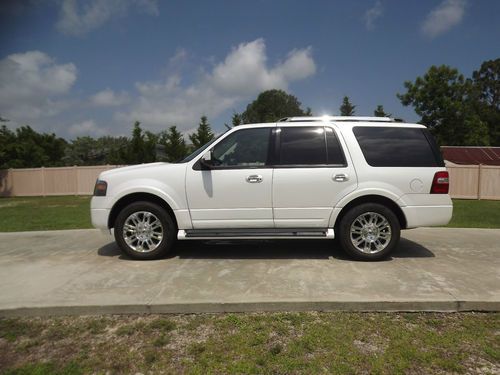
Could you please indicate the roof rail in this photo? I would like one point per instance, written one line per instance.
(339, 118)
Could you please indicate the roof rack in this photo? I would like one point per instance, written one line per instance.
(340, 118)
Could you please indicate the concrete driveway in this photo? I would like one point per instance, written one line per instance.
(83, 272)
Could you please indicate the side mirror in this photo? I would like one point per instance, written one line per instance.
(206, 160)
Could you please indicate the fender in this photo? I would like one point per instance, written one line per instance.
(358, 194)
(174, 199)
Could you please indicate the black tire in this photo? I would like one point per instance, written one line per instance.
(169, 230)
(344, 231)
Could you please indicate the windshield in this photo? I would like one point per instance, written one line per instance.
(198, 151)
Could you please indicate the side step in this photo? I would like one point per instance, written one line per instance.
(242, 233)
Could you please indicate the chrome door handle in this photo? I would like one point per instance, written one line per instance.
(254, 179)
(340, 177)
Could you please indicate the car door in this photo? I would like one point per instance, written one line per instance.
(311, 175)
(236, 191)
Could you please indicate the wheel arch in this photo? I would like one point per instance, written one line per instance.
(373, 198)
(136, 197)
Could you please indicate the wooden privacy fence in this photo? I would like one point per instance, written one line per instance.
(467, 181)
(474, 181)
(50, 181)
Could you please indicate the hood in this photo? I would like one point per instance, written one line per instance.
(132, 168)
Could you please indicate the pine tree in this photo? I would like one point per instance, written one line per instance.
(347, 108)
(203, 134)
(136, 154)
(175, 145)
(236, 119)
(379, 112)
(142, 146)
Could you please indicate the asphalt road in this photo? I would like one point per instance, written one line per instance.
(83, 272)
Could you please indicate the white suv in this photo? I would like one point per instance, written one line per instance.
(360, 179)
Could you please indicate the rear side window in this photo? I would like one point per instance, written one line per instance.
(396, 147)
(309, 146)
(302, 146)
(334, 149)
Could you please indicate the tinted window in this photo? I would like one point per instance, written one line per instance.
(302, 146)
(435, 147)
(243, 148)
(334, 150)
(395, 147)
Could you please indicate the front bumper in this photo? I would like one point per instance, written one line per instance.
(99, 217)
(99, 212)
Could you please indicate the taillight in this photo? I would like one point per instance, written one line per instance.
(440, 183)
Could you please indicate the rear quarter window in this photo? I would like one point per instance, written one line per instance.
(397, 147)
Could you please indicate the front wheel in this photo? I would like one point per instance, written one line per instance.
(369, 231)
(144, 230)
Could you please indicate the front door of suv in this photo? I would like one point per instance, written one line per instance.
(311, 175)
(236, 191)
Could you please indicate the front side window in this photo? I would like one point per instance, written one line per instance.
(243, 148)
(309, 146)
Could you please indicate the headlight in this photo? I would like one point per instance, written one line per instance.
(100, 188)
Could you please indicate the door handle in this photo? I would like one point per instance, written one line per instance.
(340, 177)
(254, 179)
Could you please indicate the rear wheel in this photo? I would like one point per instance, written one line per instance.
(369, 231)
(144, 230)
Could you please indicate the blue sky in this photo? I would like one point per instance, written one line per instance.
(93, 67)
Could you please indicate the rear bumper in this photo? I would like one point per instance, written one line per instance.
(427, 216)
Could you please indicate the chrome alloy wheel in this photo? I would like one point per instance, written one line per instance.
(143, 231)
(370, 232)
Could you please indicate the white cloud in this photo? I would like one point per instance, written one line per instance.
(179, 57)
(80, 17)
(35, 89)
(87, 127)
(372, 14)
(108, 98)
(243, 73)
(442, 18)
(31, 84)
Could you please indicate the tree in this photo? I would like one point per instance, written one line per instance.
(174, 143)
(26, 148)
(347, 108)
(7, 145)
(142, 146)
(103, 150)
(116, 149)
(380, 112)
(203, 134)
(150, 142)
(83, 151)
(136, 154)
(486, 83)
(272, 105)
(236, 119)
(443, 99)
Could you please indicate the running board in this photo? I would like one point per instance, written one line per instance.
(272, 233)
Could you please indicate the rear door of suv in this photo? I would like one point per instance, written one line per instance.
(312, 173)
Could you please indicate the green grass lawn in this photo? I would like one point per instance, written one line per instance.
(253, 343)
(44, 213)
(71, 212)
(475, 214)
